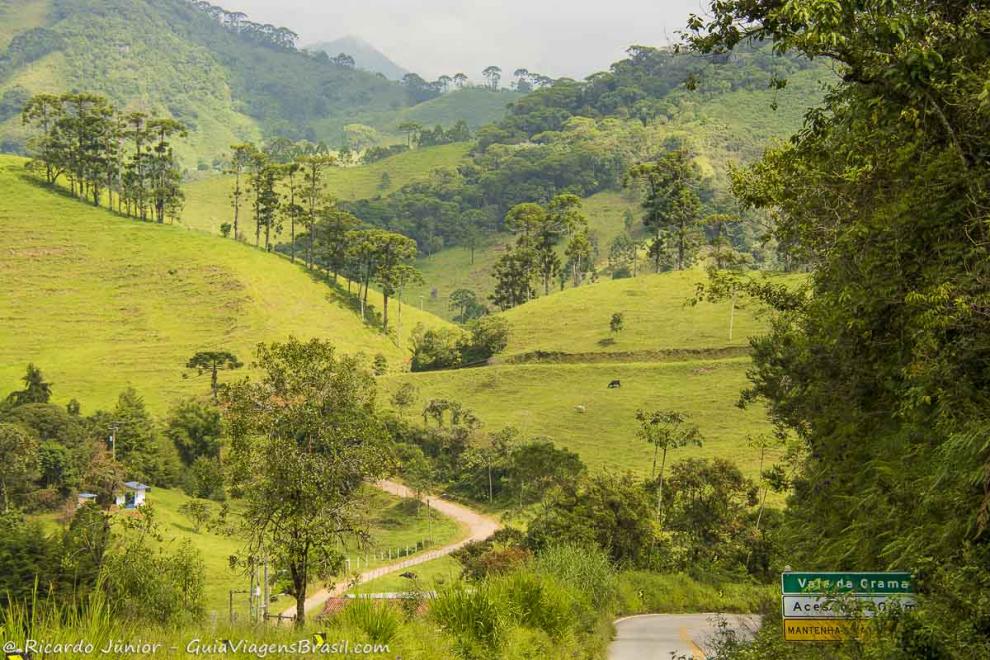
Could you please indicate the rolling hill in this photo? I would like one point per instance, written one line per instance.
(101, 302)
(474, 105)
(553, 378)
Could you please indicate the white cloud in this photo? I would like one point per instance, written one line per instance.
(444, 36)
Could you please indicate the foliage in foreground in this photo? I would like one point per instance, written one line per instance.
(879, 369)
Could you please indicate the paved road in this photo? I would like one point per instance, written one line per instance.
(480, 527)
(656, 636)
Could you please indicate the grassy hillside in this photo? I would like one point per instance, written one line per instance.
(208, 200)
(475, 105)
(670, 355)
(656, 311)
(101, 302)
(542, 400)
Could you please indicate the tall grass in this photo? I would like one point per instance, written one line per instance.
(379, 621)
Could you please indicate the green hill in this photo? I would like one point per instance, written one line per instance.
(657, 314)
(475, 105)
(544, 400)
(228, 79)
(101, 302)
(208, 202)
(553, 378)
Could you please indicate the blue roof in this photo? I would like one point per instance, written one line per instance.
(135, 485)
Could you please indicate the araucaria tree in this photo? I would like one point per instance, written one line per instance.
(539, 230)
(103, 154)
(304, 438)
(213, 362)
(671, 206)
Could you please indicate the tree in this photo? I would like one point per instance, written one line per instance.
(265, 174)
(304, 438)
(492, 74)
(315, 201)
(291, 208)
(20, 461)
(514, 275)
(36, 389)
(882, 196)
(467, 302)
(240, 160)
(405, 396)
(395, 253)
(606, 511)
(460, 80)
(540, 229)
(411, 130)
(665, 430)
(195, 430)
(538, 466)
(670, 204)
(197, 510)
(164, 173)
(616, 323)
(213, 362)
(721, 247)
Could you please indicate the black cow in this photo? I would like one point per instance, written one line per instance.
(614, 384)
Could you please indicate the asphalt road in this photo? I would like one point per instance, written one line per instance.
(656, 636)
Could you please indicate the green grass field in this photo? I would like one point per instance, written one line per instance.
(657, 316)
(392, 523)
(208, 199)
(475, 105)
(543, 400)
(101, 302)
(429, 575)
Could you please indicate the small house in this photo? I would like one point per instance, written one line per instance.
(84, 498)
(133, 495)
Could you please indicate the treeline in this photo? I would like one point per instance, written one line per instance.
(238, 23)
(579, 138)
(701, 516)
(282, 189)
(123, 159)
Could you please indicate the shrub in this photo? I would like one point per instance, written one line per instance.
(379, 621)
(539, 601)
(437, 348)
(474, 616)
(587, 570)
(205, 479)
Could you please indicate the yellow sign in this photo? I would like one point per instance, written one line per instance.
(821, 630)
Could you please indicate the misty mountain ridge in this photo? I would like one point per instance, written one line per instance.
(365, 55)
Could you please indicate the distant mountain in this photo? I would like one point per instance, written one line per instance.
(227, 78)
(366, 56)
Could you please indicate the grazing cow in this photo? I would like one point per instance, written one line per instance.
(614, 384)
(409, 575)
(580, 409)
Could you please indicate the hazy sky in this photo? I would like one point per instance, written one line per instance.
(555, 38)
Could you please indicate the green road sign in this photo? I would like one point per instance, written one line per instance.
(826, 582)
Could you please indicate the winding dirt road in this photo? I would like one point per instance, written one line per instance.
(480, 527)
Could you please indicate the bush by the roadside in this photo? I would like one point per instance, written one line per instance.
(642, 591)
